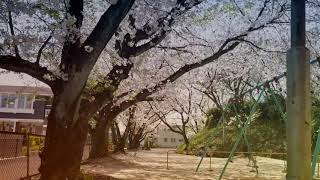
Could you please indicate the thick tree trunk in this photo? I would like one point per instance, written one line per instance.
(119, 141)
(134, 143)
(119, 146)
(63, 152)
(100, 135)
(65, 140)
(135, 136)
(100, 139)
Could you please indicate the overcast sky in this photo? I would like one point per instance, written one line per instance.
(15, 79)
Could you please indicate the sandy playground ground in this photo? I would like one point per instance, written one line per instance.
(152, 165)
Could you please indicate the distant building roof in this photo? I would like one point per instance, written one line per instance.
(43, 91)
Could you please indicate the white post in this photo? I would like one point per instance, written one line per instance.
(14, 126)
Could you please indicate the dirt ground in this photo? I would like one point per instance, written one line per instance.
(152, 165)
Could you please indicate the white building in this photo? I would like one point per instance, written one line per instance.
(24, 107)
(24, 103)
(164, 137)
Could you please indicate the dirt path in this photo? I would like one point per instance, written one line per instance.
(151, 165)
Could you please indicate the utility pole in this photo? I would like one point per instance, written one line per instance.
(298, 98)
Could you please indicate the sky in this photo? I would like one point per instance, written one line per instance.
(15, 79)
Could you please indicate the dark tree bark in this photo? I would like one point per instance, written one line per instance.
(67, 122)
(63, 146)
(100, 134)
(67, 125)
(99, 139)
(119, 140)
(136, 135)
(67, 128)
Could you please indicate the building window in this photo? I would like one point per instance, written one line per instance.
(21, 101)
(12, 101)
(165, 139)
(29, 101)
(4, 100)
(180, 140)
(46, 113)
(173, 139)
(8, 100)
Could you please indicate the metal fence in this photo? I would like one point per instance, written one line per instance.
(19, 157)
(19, 154)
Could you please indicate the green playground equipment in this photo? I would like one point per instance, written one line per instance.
(241, 134)
(265, 89)
(221, 120)
(243, 130)
(315, 155)
(298, 102)
(250, 156)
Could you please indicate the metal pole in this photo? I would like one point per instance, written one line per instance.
(315, 155)
(17, 143)
(167, 159)
(28, 155)
(318, 170)
(298, 98)
(223, 134)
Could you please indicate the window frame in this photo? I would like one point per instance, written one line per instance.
(47, 112)
(14, 100)
(24, 101)
(2, 94)
(15, 109)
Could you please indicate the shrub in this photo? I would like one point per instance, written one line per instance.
(266, 131)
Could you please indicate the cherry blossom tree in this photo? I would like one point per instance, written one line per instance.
(225, 86)
(145, 123)
(133, 45)
(138, 121)
(154, 75)
(119, 140)
(67, 122)
(60, 43)
(178, 110)
(79, 53)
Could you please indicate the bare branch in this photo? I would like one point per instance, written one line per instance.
(15, 64)
(106, 26)
(153, 38)
(41, 49)
(178, 49)
(16, 50)
(260, 48)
